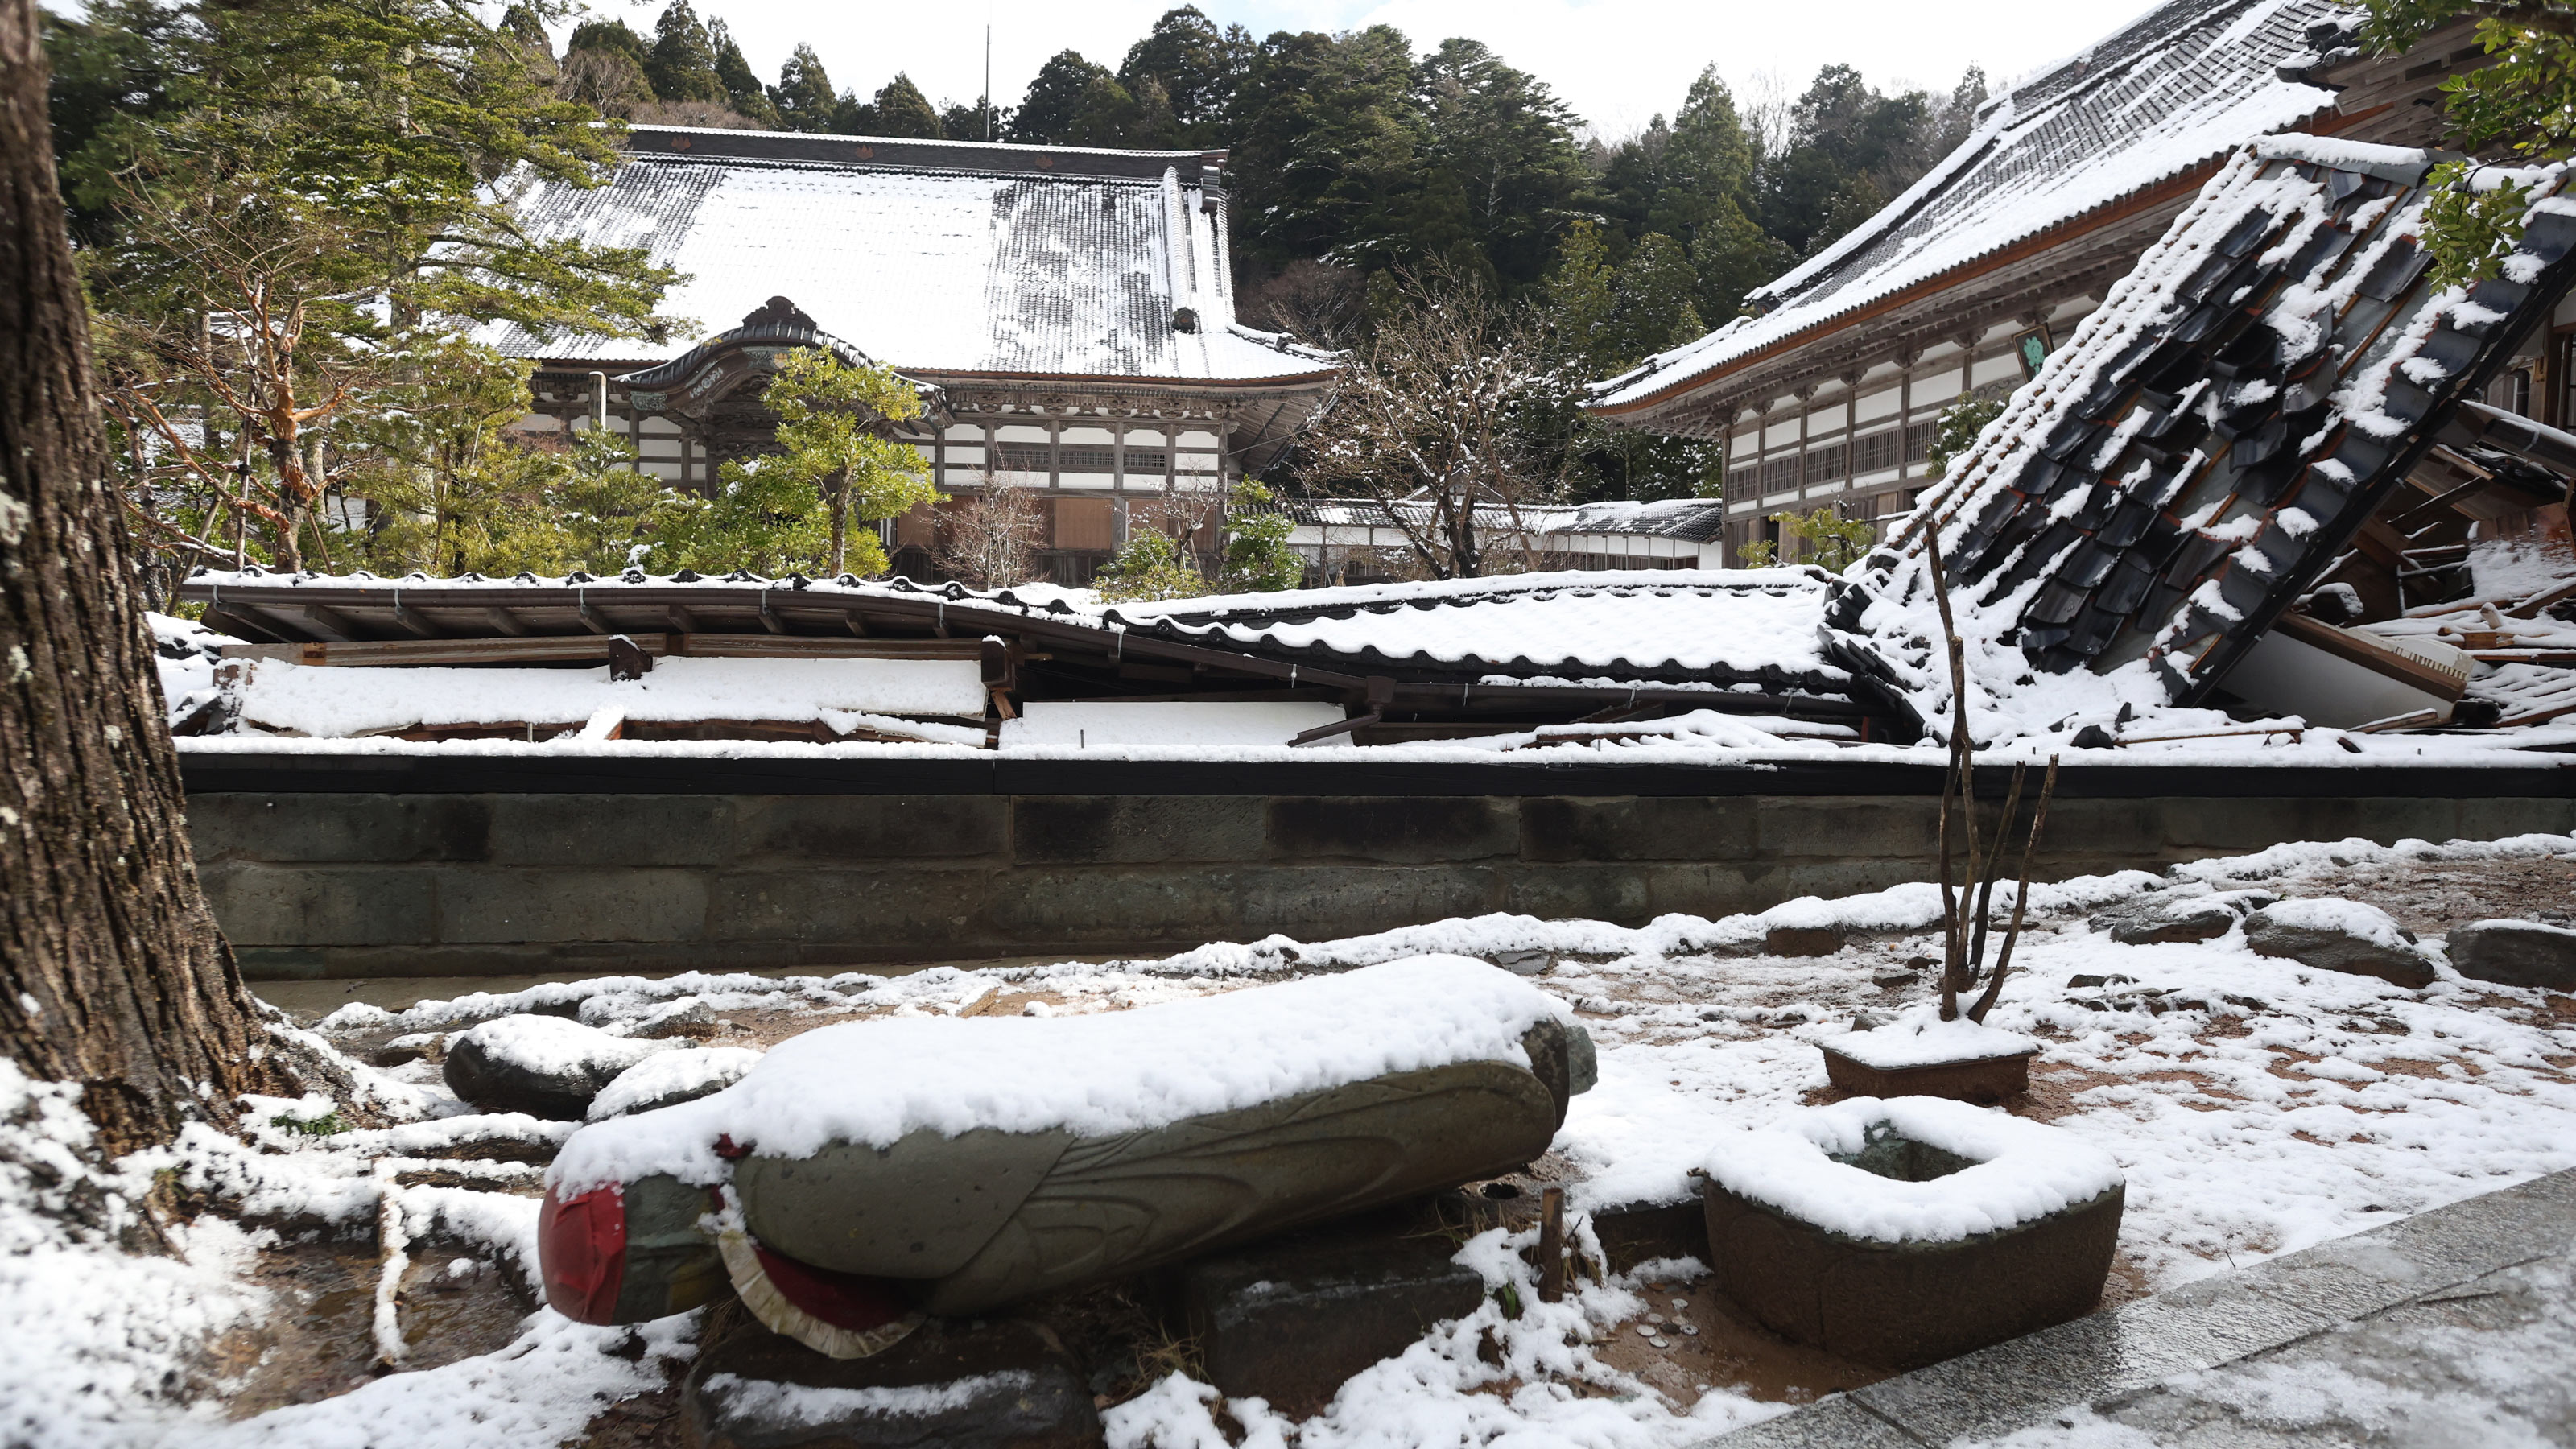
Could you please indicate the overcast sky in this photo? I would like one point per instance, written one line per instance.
(1616, 62)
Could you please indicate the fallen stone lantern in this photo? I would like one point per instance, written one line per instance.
(868, 1174)
(1923, 1056)
(1905, 1231)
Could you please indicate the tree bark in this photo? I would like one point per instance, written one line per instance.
(113, 973)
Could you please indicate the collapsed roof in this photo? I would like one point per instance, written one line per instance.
(2213, 440)
(1427, 661)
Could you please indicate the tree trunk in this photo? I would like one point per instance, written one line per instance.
(112, 971)
(836, 496)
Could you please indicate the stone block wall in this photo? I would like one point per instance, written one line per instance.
(341, 882)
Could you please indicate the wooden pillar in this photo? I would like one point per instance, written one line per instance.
(1904, 413)
(1806, 412)
(1118, 482)
(1055, 452)
(1851, 427)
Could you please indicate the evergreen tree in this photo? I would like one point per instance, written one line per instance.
(612, 35)
(1067, 102)
(1851, 150)
(792, 510)
(682, 64)
(1656, 304)
(1327, 140)
(741, 86)
(603, 68)
(523, 25)
(1578, 298)
(1508, 146)
(307, 217)
(1148, 122)
(109, 71)
(900, 109)
(1198, 67)
(978, 122)
(803, 98)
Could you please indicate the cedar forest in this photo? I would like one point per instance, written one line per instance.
(287, 229)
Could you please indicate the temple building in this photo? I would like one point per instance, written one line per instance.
(1828, 395)
(1068, 312)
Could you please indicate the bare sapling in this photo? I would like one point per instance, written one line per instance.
(1967, 904)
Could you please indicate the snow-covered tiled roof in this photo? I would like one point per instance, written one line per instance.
(2175, 89)
(1758, 625)
(931, 257)
(1591, 630)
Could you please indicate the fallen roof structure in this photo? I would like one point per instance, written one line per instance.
(2278, 378)
(1436, 661)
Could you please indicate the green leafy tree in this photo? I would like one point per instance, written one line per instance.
(452, 488)
(1151, 565)
(1833, 542)
(1599, 320)
(1955, 431)
(1258, 556)
(1579, 297)
(741, 84)
(803, 98)
(792, 510)
(1157, 561)
(2521, 103)
(682, 63)
(614, 35)
(1656, 304)
(311, 209)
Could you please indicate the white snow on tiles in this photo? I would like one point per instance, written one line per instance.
(927, 271)
(1679, 620)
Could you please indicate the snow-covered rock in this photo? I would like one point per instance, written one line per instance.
(544, 1066)
(2339, 935)
(2516, 953)
(670, 1079)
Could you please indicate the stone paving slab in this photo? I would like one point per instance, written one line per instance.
(2426, 1326)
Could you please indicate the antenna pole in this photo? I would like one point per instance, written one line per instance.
(988, 81)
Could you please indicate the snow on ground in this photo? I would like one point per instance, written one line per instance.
(2253, 1105)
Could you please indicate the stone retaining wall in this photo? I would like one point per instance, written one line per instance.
(449, 875)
